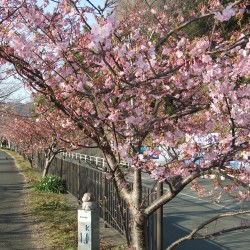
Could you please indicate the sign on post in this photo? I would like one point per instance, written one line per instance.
(88, 224)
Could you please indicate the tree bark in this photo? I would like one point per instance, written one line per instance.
(138, 218)
(138, 234)
(46, 167)
(30, 159)
(49, 156)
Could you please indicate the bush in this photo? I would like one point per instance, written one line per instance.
(51, 184)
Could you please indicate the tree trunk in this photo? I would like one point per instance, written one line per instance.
(46, 167)
(138, 231)
(49, 156)
(31, 159)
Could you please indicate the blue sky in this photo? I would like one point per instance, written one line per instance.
(21, 95)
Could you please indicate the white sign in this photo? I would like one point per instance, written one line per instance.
(88, 229)
(84, 216)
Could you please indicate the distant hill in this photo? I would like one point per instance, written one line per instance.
(23, 109)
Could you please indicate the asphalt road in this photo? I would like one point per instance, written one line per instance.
(14, 223)
(188, 210)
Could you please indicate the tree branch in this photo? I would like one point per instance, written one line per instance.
(207, 222)
(170, 194)
(185, 24)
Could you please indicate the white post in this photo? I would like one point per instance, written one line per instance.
(88, 224)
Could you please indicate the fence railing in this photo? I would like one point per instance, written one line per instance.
(81, 177)
(99, 161)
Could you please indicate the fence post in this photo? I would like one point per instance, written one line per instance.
(61, 165)
(88, 224)
(159, 216)
(104, 203)
(78, 181)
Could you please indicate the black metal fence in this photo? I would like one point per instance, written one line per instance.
(82, 177)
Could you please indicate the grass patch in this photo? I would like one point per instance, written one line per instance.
(57, 218)
(51, 184)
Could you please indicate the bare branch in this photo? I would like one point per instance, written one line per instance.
(207, 222)
(185, 24)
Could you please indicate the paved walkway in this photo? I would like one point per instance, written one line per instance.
(15, 232)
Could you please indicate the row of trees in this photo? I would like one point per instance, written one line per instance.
(45, 133)
(146, 76)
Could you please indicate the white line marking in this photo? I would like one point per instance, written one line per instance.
(181, 193)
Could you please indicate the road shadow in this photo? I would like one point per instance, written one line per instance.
(180, 218)
(174, 231)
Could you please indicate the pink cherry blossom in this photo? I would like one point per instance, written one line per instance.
(226, 14)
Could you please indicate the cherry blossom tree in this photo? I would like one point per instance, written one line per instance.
(10, 110)
(37, 135)
(128, 82)
(21, 134)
